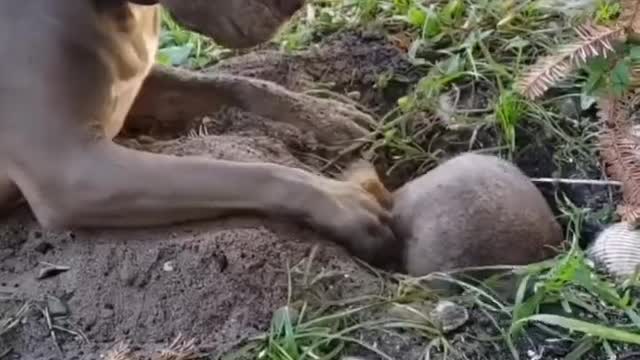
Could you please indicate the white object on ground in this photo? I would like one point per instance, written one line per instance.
(617, 250)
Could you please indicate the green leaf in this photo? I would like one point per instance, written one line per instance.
(454, 65)
(413, 52)
(181, 37)
(163, 59)
(528, 307)
(584, 345)
(597, 64)
(282, 328)
(620, 78)
(401, 5)
(585, 327)
(432, 26)
(634, 53)
(177, 55)
(594, 82)
(452, 11)
(405, 103)
(416, 16)
(601, 289)
(474, 38)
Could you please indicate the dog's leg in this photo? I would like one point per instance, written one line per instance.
(59, 112)
(170, 94)
(104, 184)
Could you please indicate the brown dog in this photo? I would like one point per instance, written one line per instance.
(71, 72)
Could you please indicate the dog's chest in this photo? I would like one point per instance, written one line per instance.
(133, 60)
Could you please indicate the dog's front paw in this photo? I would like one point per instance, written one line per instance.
(354, 218)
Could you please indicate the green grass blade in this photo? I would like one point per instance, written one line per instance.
(596, 330)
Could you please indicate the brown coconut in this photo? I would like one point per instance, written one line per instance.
(470, 211)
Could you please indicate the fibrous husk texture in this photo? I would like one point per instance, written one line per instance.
(619, 147)
(630, 16)
(617, 250)
(593, 40)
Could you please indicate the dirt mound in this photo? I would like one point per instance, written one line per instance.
(218, 281)
(364, 64)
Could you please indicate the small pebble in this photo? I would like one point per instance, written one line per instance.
(145, 139)
(57, 307)
(568, 108)
(106, 313)
(354, 95)
(43, 247)
(449, 315)
(169, 266)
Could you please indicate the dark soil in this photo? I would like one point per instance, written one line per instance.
(217, 281)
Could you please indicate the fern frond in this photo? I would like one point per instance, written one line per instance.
(619, 149)
(620, 156)
(614, 112)
(630, 16)
(593, 40)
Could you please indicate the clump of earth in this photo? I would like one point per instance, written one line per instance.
(216, 281)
